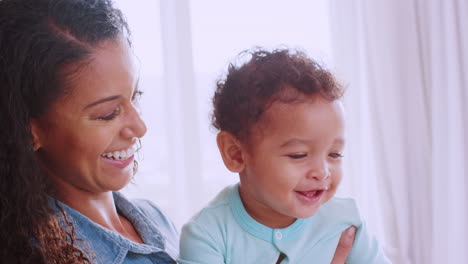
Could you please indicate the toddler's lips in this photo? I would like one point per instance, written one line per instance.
(311, 196)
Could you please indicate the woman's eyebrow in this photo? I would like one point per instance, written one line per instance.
(103, 100)
(137, 84)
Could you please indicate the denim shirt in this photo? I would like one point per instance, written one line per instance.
(104, 246)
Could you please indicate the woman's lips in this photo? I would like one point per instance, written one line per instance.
(119, 163)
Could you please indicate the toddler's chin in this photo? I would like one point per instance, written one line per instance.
(306, 214)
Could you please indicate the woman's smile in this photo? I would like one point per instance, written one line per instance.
(121, 163)
(120, 154)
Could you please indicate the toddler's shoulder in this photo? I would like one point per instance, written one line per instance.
(206, 230)
(215, 211)
(341, 208)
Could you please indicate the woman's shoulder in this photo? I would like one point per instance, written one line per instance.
(151, 210)
(153, 214)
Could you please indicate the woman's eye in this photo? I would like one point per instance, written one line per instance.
(136, 95)
(297, 156)
(111, 116)
(335, 155)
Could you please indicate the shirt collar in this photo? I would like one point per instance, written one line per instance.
(255, 228)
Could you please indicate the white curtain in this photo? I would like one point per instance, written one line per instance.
(406, 66)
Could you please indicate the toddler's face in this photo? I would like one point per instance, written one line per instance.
(293, 160)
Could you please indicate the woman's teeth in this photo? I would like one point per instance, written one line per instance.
(120, 155)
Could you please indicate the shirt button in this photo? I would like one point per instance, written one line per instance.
(278, 235)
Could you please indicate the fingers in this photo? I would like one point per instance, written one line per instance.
(344, 245)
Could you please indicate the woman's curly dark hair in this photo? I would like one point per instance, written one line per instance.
(247, 90)
(41, 42)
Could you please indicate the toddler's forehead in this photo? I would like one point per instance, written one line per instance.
(288, 103)
(286, 117)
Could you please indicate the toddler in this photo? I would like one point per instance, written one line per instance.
(281, 127)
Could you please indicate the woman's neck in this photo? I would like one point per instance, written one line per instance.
(97, 206)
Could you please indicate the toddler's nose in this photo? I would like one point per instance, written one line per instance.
(319, 171)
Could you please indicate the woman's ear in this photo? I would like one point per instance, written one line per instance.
(231, 151)
(34, 125)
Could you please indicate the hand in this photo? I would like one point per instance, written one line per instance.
(344, 245)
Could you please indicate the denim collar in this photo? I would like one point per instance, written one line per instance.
(110, 247)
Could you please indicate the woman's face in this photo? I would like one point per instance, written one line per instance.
(87, 139)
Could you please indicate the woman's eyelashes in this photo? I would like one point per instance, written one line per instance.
(137, 95)
(110, 116)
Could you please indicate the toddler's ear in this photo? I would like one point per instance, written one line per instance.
(231, 151)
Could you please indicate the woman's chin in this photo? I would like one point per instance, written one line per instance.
(118, 182)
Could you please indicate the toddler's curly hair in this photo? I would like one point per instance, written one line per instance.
(247, 90)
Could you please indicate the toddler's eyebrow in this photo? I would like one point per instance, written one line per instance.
(294, 141)
(297, 141)
(339, 142)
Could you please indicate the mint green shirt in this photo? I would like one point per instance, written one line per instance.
(224, 232)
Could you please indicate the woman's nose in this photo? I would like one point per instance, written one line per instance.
(135, 126)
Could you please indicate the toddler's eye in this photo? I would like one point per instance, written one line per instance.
(297, 156)
(111, 116)
(335, 155)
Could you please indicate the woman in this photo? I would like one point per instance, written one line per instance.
(68, 106)
(68, 100)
